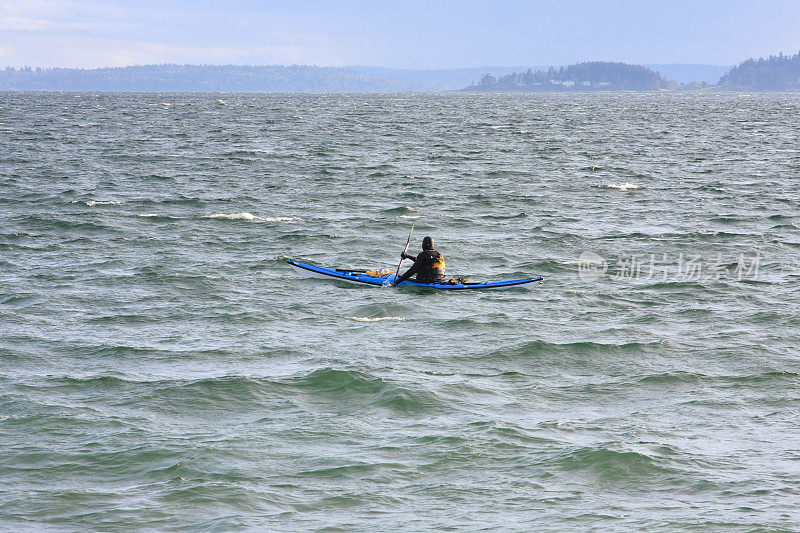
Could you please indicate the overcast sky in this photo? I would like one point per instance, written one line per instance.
(405, 34)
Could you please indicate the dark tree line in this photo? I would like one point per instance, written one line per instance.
(776, 73)
(593, 76)
(191, 78)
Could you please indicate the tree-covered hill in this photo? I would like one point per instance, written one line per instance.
(242, 78)
(776, 73)
(590, 76)
(294, 78)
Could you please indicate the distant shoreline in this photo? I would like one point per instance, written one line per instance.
(775, 74)
(278, 78)
(710, 90)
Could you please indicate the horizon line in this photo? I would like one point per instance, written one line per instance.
(352, 66)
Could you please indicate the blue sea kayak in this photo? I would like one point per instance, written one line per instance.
(379, 278)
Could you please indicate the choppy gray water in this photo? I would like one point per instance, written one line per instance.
(162, 368)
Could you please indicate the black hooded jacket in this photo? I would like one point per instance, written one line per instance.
(428, 266)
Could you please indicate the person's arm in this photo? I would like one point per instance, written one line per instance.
(408, 256)
(410, 272)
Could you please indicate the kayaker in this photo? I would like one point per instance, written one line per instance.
(428, 265)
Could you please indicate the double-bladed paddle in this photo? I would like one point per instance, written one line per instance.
(397, 272)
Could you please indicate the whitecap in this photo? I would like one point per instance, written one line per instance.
(250, 217)
(622, 186)
(281, 219)
(151, 215)
(375, 319)
(92, 203)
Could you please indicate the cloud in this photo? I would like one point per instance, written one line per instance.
(87, 33)
(414, 34)
(28, 24)
(35, 16)
(93, 52)
(129, 53)
(61, 16)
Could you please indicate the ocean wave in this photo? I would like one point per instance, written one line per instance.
(323, 387)
(354, 386)
(540, 347)
(790, 377)
(521, 214)
(673, 378)
(250, 217)
(43, 221)
(398, 210)
(728, 218)
(357, 470)
(781, 218)
(613, 465)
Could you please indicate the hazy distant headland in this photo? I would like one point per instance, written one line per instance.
(776, 73)
(590, 76)
(243, 78)
(275, 78)
(278, 78)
